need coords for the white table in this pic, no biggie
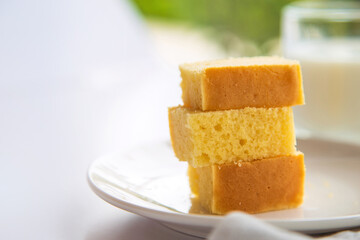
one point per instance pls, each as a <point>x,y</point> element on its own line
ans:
<point>73,75</point>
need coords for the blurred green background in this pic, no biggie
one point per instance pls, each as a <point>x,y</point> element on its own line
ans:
<point>214,28</point>
<point>228,22</point>
<point>256,20</point>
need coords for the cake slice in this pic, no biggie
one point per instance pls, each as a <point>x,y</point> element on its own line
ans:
<point>242,82</point>
<point>253,187</point>
<point>219,137</point>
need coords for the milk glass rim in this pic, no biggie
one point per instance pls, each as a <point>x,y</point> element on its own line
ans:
<point>324,9</point>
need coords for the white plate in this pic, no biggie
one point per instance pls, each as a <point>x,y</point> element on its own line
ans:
<point>149,181</point>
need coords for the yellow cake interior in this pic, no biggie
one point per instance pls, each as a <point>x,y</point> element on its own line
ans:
<point>219,137</point>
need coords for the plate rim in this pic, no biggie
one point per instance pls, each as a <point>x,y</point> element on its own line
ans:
<point>301,225</point>
<point>128,206</point>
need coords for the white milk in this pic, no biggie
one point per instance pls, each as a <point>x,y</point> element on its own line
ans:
<point>332,91</point>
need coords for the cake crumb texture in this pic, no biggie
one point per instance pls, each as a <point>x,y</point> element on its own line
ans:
<point>219,137</point>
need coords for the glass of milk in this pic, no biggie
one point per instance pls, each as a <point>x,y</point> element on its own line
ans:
<point>325,38</point>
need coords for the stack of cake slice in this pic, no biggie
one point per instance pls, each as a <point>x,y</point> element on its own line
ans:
<point>236,131</point>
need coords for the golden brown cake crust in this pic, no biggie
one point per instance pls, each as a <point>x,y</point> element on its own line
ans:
<point>253,187</point>
<point>193,180</point>
<point>238,83</point>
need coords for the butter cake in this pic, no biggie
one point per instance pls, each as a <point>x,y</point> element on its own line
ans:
<point>242,82</point>
<point>218,137</point>
<point>253,187</point>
